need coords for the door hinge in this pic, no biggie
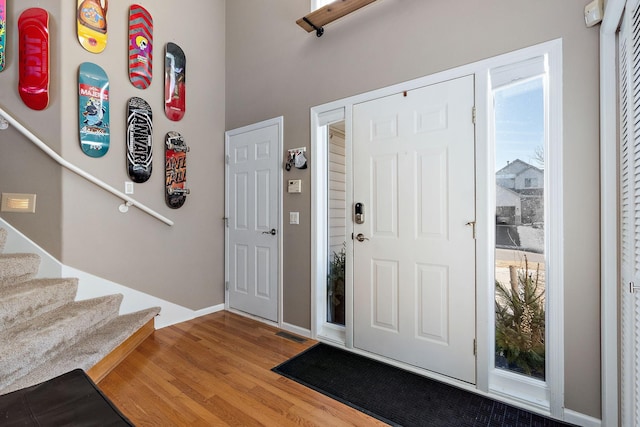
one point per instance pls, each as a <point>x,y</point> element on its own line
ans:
<point>473,115</point>
<point>226,285</point>
<point>227,159</point>
<point>475,347</point>
<point>226,222</point>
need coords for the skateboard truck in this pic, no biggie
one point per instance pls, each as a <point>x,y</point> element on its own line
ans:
<point>178,191</point>
<point>178,147</point>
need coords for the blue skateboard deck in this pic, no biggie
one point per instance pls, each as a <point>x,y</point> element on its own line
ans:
<point>93,106</point>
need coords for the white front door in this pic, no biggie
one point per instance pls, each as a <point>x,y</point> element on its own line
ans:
<point>414,260</point>
<point>253,218</point>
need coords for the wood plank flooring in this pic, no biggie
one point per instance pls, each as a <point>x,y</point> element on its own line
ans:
<point>216,371</point>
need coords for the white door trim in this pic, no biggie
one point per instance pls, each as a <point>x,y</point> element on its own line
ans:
<point>279,122</point>
<point>484,311</point>
<point>609,126</point>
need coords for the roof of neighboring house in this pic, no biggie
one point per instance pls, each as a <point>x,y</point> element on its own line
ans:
<point>517,167</point>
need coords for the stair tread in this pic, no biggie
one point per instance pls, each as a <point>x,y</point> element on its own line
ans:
<point>86,353</point>
<point>18,267</point>
<point>50,334</point>
<point>45,333</point>
<point>32,298</point>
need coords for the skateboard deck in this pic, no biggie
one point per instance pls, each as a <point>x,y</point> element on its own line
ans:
<point>175,170</point>
<point>33,81</point>
<point>92,24</point>
<point>3,33</point>
<point>140,46</point>
<point>93,109</point>
<point>174,82</point>
<point>139,139</point>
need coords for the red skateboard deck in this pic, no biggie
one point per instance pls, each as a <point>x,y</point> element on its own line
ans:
<point>3,32</point>
<point>92,24</point>
<point>175,166</point>
<point>174,82</point>
<point>140,46</point>
<point>33,82</point>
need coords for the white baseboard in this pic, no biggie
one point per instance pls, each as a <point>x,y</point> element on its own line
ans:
<point>581,419</point>
<point>90,286</point>
<point>296,330</point>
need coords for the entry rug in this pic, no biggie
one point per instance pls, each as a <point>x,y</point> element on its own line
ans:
<point>399,397</point>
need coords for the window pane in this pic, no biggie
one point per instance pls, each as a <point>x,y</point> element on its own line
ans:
<point>520,262</point>
<point>337,217</point>
<point>317,4</point>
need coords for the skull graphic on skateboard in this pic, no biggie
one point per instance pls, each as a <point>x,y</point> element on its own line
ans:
<point>139,140</point>
<point>140,46</point>
<point>33,58</point>
<point>93,109</point>
<point>175,170</point>
<point>174,82</point>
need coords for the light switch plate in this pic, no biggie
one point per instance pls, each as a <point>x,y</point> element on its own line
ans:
<point>294,217</point>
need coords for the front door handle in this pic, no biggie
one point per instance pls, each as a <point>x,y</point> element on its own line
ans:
<point>360,237</point>
<point>272,232</point>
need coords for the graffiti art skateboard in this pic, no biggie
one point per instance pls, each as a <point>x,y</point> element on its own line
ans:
<point>92,24</point>
<point>175,170</point>
<point>174,82</point>
<point>3,33</point>
<point>33,58</point>
<point>140,46</point>
<point>139,139</point>
<point>93,109</point>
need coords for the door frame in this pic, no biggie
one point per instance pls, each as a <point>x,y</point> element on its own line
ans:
<point>485,211</point>
<point>279,122</point>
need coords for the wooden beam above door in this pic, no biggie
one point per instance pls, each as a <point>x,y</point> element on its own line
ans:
<point>317,19</point>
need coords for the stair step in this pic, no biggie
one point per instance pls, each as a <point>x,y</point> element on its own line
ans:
<point>32,298</point>
<point>51,334</point>
<point>3,239</point>
<point>86,353</point>
<point>17,268</point>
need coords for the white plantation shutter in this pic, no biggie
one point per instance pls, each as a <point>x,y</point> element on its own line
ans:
<point>629,87</point>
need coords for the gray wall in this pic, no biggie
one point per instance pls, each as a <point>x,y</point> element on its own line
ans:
<point>274,68</point>
<point>78,222</point>
<point>24,168</point>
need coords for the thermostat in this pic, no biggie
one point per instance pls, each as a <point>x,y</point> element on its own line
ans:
<point>295,186</point>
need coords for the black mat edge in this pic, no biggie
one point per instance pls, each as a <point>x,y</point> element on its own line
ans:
<point>339,399</point>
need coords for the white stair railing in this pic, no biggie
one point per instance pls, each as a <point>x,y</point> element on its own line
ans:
<point>127,200</point>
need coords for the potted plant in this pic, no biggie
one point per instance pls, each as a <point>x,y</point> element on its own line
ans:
<point>520,323</point>
<point>335,286</point>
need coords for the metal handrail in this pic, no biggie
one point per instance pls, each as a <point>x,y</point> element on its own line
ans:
<point>129,201</point>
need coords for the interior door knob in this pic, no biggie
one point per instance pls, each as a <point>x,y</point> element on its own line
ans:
<point>272,232</point>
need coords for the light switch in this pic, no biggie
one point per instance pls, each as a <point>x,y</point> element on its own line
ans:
<point>294,217</point>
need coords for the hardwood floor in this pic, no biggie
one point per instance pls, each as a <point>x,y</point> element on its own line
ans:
<point>216,371</point>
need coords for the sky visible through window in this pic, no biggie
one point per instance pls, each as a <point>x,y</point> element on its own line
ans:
<point>317,4</point>
<point>519,123</point>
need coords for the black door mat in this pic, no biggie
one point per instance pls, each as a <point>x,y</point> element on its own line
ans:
<point>399,397</point>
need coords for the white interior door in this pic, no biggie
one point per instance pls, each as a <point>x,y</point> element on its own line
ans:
<point>253,218</point>
<point>414,268</point>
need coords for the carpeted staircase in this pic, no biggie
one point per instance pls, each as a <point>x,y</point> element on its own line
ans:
<point>44,332</point>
